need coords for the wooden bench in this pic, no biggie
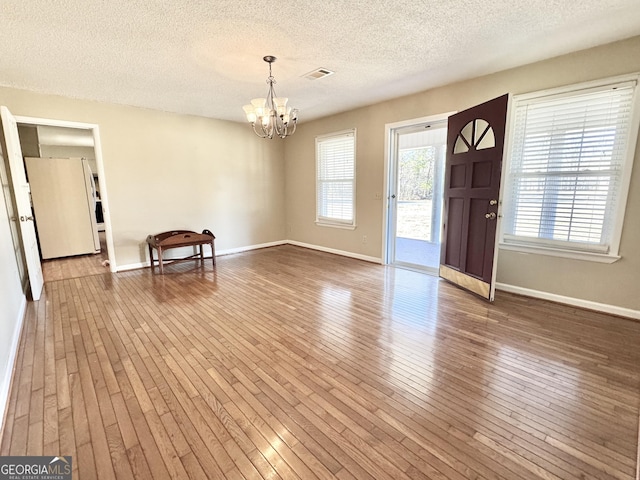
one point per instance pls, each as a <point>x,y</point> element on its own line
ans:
<point>180,238</point>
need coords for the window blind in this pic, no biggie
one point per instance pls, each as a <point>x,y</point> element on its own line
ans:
<point>566,164</point>
<point>335,175</point>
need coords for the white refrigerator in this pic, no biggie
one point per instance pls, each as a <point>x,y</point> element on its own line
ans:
<point>63,196</point>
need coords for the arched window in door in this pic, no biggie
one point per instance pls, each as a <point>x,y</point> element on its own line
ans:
<point>475,135</point>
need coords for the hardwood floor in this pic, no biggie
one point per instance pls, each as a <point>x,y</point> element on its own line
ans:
<point>291,363</point>
<point>77,266</point>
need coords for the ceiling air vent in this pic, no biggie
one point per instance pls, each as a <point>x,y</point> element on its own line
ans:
<point>318,73</point>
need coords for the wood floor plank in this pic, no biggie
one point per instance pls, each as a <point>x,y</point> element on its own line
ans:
<point>66,434</point>
<point>118,454</point>
<point>86,467</point>
<point>138,463</point>
<point>292,363</point>
<point>150,449</point>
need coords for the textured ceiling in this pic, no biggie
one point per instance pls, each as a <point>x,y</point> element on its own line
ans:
<point>205,57</point>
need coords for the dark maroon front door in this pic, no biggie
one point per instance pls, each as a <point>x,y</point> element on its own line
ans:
<point>475,141</point>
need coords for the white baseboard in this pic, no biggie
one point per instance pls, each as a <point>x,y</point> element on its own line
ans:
<point>132,266</point>
<point>5,387</point>
<point>576,302</point>
<point>229,251</point>
<point>343,253</point>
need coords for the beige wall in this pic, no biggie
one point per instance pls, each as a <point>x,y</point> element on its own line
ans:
<point>166,171</point>
<point>615,284</point>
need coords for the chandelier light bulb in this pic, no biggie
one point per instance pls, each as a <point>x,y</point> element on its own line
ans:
<point>250,113</point>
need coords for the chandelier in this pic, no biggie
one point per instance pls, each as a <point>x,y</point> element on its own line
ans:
<point>270,116</point>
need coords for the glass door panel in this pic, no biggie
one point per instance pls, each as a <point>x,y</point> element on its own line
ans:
<point>416,216</point>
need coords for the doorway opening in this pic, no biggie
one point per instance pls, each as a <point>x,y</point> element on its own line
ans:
<point>25,218</point>
<point>63,177</point>
<point>416,162</point>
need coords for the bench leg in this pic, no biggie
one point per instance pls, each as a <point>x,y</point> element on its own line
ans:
<point>151,257</point>
<point>160,260</point>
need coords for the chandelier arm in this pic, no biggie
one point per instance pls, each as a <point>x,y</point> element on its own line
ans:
<point>268,129</point>
<point>255,130</point>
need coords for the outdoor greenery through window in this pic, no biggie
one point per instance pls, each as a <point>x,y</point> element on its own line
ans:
<point>416,173</point>
<point>335,177</point>
<point>420,175</point>
<point>569,156</point>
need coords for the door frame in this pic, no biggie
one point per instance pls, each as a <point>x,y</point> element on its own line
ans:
<point>390,183</point>
<point>102,183</point>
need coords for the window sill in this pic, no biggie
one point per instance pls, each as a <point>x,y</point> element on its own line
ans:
<point>556,252</point>
<point>336,225</point>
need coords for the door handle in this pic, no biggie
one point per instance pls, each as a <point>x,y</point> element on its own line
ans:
<point>493,202</point>
<point>24,219</point>
<point>393,196</point>
<point>490,216</point>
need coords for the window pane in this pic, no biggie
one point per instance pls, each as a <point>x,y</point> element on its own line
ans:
<point>336,200</point>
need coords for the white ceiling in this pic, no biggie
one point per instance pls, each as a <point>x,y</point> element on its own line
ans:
<point>204,57</point>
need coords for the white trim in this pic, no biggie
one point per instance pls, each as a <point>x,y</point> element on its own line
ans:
<point>501,189</point>
<point>347,132</point>
<point>555,252</point>
<point>342,253</point>
<point>5,387</point>
<point>344,226</point>
<point>104,199</point>
<point>625,180</point>
<point>133,266</point>
<point>417,121</point>
<point>433,271</point>
<point>54,123</point>
<point>576,302</point>
<point>230,251</point>
<point>97,149</point>
<point>577,87</point>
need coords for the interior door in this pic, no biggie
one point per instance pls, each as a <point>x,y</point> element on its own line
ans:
<point>475,141</point>
<point>23,201</point>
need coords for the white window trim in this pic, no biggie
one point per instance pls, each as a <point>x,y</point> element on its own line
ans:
<point>346,226</point>
<point>613,254</point>
<point>325,222</point>
<point>558,252</point>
